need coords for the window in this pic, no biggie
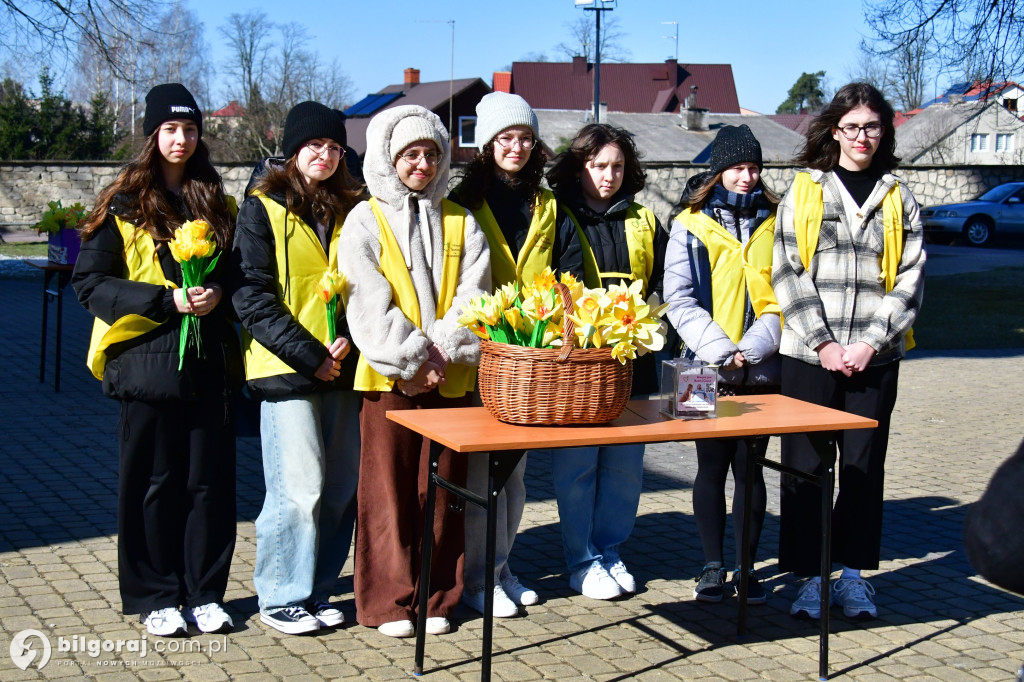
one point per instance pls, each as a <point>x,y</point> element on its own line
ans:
<point>979,142</point>
<point>1004,142</point>
<point>467,131</point>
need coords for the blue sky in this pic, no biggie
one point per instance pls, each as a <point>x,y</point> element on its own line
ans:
<point>768,44</point>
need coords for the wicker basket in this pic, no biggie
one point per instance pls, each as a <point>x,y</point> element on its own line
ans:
<point>536,386</point>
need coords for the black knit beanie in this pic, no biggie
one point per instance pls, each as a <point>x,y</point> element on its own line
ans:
<point>309,121</point>
<point>168,102</point>
<point>733,145</point>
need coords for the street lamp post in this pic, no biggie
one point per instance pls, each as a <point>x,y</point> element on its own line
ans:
<point>597,6</point>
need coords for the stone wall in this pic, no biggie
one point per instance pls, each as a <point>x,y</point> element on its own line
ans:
<point>25,188</point>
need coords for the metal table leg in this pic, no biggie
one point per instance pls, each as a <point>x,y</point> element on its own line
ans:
<point>500,467</point>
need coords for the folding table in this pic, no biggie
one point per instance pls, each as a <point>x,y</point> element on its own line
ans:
<point>474,430</point>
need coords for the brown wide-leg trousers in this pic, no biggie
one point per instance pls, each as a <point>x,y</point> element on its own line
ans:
<point>392,501</point>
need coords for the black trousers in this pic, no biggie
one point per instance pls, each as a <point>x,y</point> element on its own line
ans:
<point>714,458</point>
<point>857,514</point>
<point>176,503</point>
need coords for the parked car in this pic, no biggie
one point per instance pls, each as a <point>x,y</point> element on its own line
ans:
<point>999,210</point>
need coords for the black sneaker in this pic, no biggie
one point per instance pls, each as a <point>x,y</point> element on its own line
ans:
<point>292,620</point>
<point>710,584</point>
<point>755,591</point>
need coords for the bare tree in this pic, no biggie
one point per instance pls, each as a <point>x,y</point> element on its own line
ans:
<point>54,28</point>
<point>174,54</point>
<point>582,42</point>
<point>274,74</point>
<point>977,38</point>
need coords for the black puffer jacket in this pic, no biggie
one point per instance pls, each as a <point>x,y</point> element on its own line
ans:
<point>606,233</point>
<point>146,367</point>
<point>265,317</point>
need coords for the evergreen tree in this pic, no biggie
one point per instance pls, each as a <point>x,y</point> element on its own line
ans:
<point>806,95</point>
<point>16,120</point>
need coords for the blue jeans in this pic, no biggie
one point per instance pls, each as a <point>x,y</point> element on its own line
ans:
<point>311,468</point>
<point>598,493</point>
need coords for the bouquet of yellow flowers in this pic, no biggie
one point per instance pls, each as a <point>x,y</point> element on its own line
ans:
<point>617,317</point>
<point>329,288</point>
<point>193,249</point>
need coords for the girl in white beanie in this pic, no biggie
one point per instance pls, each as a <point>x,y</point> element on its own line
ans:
<point>526,234</point>
<point>403,314</point>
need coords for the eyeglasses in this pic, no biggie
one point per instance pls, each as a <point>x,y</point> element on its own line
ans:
<point>872,131</point>
<point>414,158</point>
<point>506,142</point>
<point>319,147</point>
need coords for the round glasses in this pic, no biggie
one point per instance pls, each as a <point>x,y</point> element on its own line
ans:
<point>506,142</point>
<point>872,131</point>
<point>414,158</point>
<point>318,148</point>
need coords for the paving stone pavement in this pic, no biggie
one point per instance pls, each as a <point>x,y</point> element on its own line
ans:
<point>958,416</point>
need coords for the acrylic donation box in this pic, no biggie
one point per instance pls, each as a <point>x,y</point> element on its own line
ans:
<point>688,389</point>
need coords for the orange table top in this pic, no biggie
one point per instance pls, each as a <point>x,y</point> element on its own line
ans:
<point>473,429</point>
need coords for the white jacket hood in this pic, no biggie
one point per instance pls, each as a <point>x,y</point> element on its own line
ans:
<point>383,182</point>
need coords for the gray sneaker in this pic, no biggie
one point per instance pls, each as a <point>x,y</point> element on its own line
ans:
<point>808,601</point>
<point>854,595</point>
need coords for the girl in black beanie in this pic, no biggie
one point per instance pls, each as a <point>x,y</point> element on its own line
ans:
<point>176,474</point>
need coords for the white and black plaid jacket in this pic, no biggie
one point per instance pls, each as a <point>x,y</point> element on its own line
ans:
<point>841,295</point>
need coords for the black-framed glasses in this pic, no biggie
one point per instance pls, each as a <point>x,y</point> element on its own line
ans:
<point>414,158</point>
<point>872,131</point>
<point>506,142</point>
<point>332,149</point>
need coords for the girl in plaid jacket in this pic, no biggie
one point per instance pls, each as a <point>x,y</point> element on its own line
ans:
<point>848,272</point>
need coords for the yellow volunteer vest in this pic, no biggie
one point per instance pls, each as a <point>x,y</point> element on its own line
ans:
<point>736,270</point>
<point>537,250</point>
<point>141,265</point>
<point>460,378</point>
<point>301,262</point>
<point>808,211</point>
<point>640,227</point>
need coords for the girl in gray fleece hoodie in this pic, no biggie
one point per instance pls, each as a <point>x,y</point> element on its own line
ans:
<point>402,312</point>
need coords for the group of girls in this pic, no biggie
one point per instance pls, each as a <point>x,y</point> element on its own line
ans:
<point>411,258</point>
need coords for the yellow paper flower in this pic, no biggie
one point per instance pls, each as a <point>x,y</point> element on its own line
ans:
<point>514,317</point>
<point>623,350</point>
<point>331,284</point>
<point>190,241</point>
<point>544,280</point>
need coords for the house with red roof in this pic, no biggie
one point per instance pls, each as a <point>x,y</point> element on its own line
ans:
<point>626,88</point>
<point>454,101</point>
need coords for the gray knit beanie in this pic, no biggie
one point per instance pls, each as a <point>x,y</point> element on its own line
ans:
<point>500,110</point>
<point>412,129</point>
<point>733,145</point>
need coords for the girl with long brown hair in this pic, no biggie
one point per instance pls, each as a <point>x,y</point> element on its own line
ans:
<point>286,240</point>
<point>176,478</point>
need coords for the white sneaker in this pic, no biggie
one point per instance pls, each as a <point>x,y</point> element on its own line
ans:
<point>503,606</point>
<point>438,626</point>
<point>165,622</point>
<point>327,613</point>
<point>622,576</point>
<point>808,600</point>
<point>517,592</point>
<point>594,582</point>
<point>398,628</point>
<point>854,595</point>
<point>209,617</point>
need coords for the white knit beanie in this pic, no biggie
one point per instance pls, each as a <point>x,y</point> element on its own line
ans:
<point>500,110</point>
<point>412,129</point>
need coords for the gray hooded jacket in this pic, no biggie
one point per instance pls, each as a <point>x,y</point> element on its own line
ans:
<point>384,335</point>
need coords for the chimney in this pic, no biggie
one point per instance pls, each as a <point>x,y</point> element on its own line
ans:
<point>694,118</point>
<point>956,99</point>
<point>412,76</point>
<point>673,73</point>
<point>501,81</point>
<point>579,66</point>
